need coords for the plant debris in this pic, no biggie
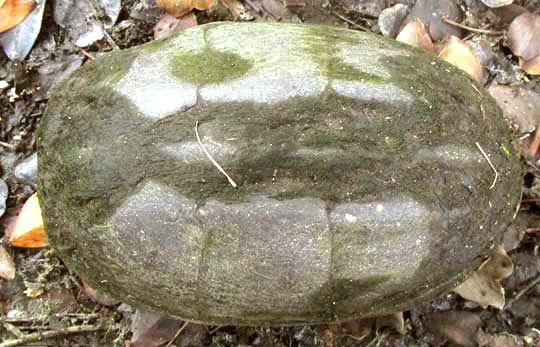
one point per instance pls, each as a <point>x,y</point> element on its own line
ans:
<point>28,231</point>
<point>523,39</point>
<point>483,286</point>
<point>179,8</point>
<point>415,34</point>
<point>13,12</point>
<point>457,53</point>
<point>7,266</point>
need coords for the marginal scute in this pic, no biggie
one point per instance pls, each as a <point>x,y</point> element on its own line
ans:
<point>270,270</point>
<point>155,206</point>
<point>406,225</point>
<point>458,155</point>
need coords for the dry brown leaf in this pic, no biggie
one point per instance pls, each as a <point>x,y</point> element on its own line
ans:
<point>7,266</point>
<point>28,231</point>
<point>457,53</point>
<point>188,21</point>
<point>178,8</point>
<point>496,3</point>
<point>237,9</point>
<point>168,25</point>
<point>484,287</point>
<point>521,106</point>
<point>152,330</point>
<point>415,34</point>
<point>499,266</point>
<point>531,66</point>
<point>523,36</point>
<point>13,12</point>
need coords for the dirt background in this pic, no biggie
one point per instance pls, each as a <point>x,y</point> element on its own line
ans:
<point>47,305</point>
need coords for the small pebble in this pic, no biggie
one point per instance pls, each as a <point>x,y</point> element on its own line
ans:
<point>26,170</point>
<point>391,19</point>
<point>4,190</point>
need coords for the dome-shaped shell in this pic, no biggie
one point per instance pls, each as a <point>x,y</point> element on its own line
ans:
<point>361,185</point>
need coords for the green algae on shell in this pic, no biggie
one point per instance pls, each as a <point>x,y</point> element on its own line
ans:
<point>361,190</point>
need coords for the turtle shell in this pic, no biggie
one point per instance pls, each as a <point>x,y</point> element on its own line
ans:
<point>364,175</point>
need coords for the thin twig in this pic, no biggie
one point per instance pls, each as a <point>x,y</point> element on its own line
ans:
<point>210,157</point>
<point>523,291</point>
<point>213,331</point>
<point>113,44</point>
<point>51,333</point>
<point>476,89</point>
<point>490,164</point>
<point>350,21</point>
<point>476,30</point>
<point>530,200</point>
<point>87,54</point>
<point>177,333</point>
<point>7,145</point>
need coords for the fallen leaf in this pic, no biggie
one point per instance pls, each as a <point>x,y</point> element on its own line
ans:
<point>7,266</point>
<point>459,326</point>
<point>169,24</point>
<point>522,36</point>
<point>237,9</point>
<point>496,3</point>
<point>499,266</point>
<point>391,20</point>
<point>188,21</point>
<point>13,12</point>
<point>18,41</point>
<point>415,34</point>
<point>85,21</point>
<point>28,231</point>
<point>152,330</point>
<point>483,286</point>
<point>531,66</point>
<point>178,8</point>
<point>457,53</point>
<point>521,106</point>
<point>166,26</point>
<point>431,13</point>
